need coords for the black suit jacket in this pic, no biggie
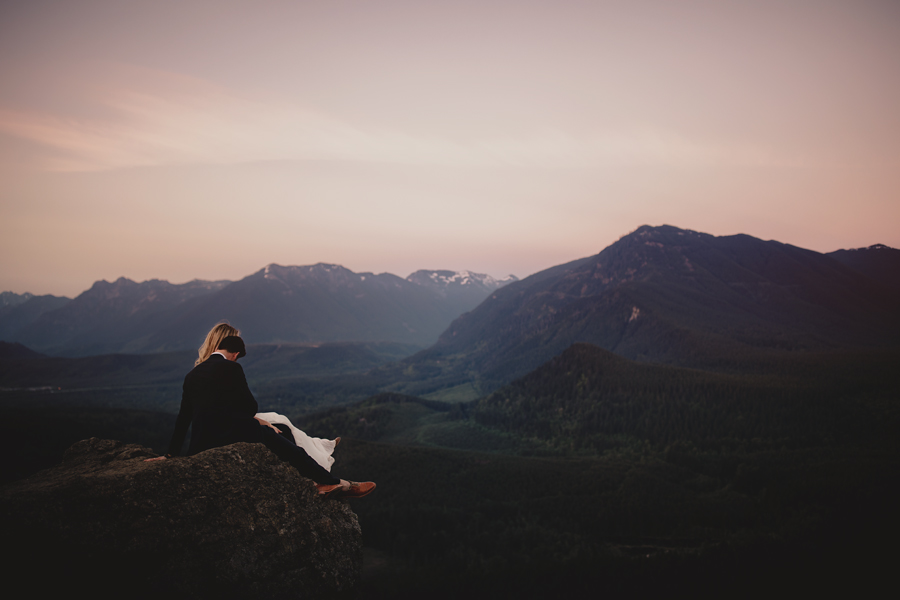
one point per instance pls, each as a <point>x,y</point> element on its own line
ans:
<point>215,389</point>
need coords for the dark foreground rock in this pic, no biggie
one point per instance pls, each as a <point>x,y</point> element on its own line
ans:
<point>232,522</point>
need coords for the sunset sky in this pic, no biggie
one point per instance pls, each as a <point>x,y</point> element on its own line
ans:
<point>208,138</point>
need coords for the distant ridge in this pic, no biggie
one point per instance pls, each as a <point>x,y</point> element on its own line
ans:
<point>20,310</point>
<point>311,304</point>
<point>110,317</point>
<point>16,351</point>
<point>13,299</point>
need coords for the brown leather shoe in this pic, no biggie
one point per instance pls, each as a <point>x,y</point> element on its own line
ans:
<point>326,490</point>
<point>357,490</point>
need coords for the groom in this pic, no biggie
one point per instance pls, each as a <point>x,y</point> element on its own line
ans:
<point>218,403</point>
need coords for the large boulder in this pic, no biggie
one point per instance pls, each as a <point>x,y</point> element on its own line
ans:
<point>232,522</point>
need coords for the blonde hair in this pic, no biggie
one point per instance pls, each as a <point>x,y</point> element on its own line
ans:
<point>213,339</point>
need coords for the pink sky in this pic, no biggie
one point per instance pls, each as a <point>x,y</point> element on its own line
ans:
<point>206,139</point>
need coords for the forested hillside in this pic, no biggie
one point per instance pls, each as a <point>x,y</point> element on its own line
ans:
<point>590,399</point>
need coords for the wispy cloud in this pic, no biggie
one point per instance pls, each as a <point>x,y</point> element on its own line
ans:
<point>209,125</point>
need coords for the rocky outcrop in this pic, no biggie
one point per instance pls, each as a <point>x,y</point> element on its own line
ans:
<point>232,522</point>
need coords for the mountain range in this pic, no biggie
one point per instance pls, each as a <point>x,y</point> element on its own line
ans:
<point>314,304</point>
<point>659,294</point>
<point>670,296</point>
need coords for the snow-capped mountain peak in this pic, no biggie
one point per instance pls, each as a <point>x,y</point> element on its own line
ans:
<point>445,280</point>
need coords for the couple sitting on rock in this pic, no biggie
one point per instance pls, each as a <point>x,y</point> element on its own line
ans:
<point>216,402</point>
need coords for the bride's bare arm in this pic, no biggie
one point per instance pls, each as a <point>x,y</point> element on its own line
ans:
<point>267,424</point>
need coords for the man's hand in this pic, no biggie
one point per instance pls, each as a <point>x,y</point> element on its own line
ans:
<point>152,459</point>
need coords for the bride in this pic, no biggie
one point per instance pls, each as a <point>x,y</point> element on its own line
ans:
<point>320,450</point>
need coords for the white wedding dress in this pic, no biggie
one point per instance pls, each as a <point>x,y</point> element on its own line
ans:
<point>320,450</point>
